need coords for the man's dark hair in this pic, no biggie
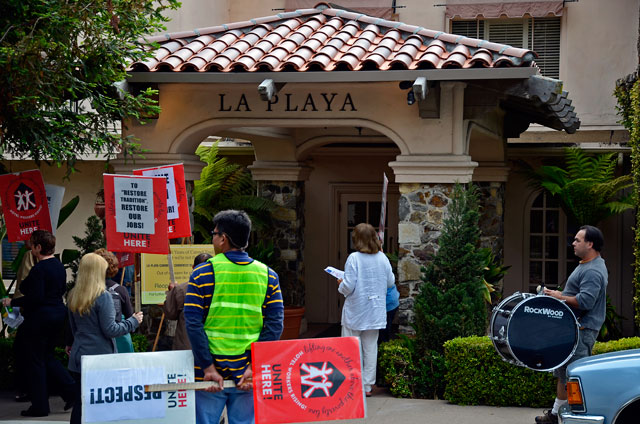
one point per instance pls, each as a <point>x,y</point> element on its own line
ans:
<point>45,239</point>
<point>203,257</point>
<point>594,235</point>
<point>236,225</point>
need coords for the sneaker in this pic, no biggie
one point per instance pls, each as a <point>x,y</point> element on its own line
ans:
<point>547,417</point>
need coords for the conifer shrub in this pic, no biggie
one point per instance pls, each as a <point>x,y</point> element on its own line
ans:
<point>450,303</point>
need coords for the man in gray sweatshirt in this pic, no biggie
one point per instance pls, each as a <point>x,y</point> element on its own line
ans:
<point>586,294</point>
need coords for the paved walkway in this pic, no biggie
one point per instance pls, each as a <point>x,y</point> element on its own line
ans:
<point>381,409</point>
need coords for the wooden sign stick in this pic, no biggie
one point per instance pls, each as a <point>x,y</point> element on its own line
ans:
<point>198,385</point>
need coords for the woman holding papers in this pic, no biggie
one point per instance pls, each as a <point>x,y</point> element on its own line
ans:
<point>367,275</point>
<point>92,318</point>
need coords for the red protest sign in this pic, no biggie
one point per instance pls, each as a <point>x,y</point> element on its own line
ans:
<point>125,259</point>
<point>307,380</point>
<point>177,206</point>
<point>24,202</point>
<point>136,214</point>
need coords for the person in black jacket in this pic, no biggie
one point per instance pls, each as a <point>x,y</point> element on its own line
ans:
<point>44,317</point>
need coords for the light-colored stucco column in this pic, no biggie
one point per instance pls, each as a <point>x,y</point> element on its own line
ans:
<point>283,183</point>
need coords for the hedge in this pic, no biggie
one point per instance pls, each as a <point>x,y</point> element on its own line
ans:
<point>476,374</point>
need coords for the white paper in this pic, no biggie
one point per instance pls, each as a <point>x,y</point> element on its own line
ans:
<point>134,205</point>
<point>55,194</point>
<point>172,198</point>
<point>118,394</point>
<point>335,272</point>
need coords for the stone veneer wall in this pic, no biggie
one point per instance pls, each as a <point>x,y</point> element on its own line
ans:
<point>422,209</point>
<point>491,201</point>
<point>288,236</point>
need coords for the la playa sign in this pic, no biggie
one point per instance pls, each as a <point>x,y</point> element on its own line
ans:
<point>289,102</point>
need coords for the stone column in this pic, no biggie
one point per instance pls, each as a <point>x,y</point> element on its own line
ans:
<point>422,209</point>
<point>287,234</point>
<point>283,183</point>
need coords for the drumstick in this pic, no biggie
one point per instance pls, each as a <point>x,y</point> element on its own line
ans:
<point>198,385</point>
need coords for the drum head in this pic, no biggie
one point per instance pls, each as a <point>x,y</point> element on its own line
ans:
<point>542,333</point>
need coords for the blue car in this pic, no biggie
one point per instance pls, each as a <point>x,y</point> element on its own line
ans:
<point>604,389</point>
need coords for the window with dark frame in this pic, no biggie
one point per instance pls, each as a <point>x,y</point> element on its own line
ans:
<point>541,35</point>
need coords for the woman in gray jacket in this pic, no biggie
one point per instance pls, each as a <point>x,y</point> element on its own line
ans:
<point>93,321</point>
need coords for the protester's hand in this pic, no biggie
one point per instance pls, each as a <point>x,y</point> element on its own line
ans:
<point>246,381</point>
<point>6,301</point>
<point>211,374</point>
<point>67,350</point>
<point>172,285</point>
<point>339,281</point>
<point>138,316</point>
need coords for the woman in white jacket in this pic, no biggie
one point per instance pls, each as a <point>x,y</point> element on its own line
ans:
<point>367,275</point>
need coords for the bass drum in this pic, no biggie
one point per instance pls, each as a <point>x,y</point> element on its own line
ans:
<point>535,331</point>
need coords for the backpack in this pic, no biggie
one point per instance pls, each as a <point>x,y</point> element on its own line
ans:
<point>117,301</point>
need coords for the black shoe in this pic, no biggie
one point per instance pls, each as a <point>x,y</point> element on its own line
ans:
<point>547,417</point>
<point>31,413</point>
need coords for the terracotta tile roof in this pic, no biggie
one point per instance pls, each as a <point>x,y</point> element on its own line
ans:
<point>324,39</point>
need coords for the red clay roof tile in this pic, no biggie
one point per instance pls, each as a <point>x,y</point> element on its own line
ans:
<point>324,39</point>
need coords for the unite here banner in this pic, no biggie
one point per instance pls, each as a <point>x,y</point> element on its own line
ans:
<point>307,380</point>
<point>24,202</point>
<point>136,214</point>
<point>113,388</point>
<point>177,206</point>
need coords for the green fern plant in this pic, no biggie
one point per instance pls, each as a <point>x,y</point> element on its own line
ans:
<point>587,187</point>
<point>224,185</point>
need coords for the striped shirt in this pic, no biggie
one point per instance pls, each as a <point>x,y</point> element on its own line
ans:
<point>196,308</point>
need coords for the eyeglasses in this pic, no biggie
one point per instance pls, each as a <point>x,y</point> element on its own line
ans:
<point>216,233</point>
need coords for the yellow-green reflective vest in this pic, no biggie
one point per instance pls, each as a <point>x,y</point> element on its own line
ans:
<point>234,320</point>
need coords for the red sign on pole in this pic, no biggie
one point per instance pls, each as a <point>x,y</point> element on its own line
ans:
<point>136,214</point>
<point>24,201</point>
<point>125,259</point>
<point>307,380</point>
<point>177,206</point>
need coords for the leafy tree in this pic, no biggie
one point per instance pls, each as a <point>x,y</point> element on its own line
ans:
<point>628,94</point>
<point>60,61</point>
<point>587,187</point>
<point>224,185</point>
<point>451,301</point>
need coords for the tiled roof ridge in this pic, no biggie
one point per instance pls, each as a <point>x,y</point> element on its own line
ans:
<point>409,30</point>
<point>227,27</point>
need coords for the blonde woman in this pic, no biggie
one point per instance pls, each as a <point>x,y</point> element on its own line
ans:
<point>367,275</point>
<point>120,296</point>
<point>93,320</point>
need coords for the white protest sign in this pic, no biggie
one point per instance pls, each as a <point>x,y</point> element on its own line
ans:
<point>54,198</point>
<point>105,389</point>
<point>383,212</point>
<point>172,198</point>
<point>134,205</point>
<point>113,388</point>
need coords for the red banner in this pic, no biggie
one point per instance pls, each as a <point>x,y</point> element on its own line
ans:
<point>24,202</point>
<point>136,214</point>
<point>307,380</point>
<point>177,206</point>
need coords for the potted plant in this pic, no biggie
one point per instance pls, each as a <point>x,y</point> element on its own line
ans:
<point>99,207</point>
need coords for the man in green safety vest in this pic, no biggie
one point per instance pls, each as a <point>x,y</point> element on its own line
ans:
<point>232,301</point>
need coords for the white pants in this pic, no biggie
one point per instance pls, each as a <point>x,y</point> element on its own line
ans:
<point>368,353</point>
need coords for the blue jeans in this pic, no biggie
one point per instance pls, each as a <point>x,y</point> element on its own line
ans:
<point>239,405</point>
